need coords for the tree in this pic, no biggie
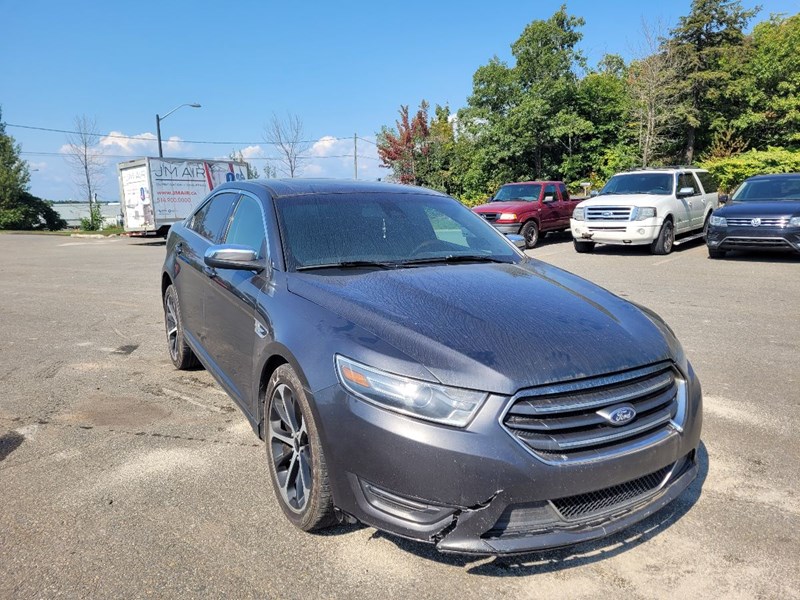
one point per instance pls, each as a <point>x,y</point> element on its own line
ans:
<point>287,137</point>
<point>712,29</point>
<point>655,96</point>
<point>18,208</point>
<point>83,152</point>
<point>404,150</point>
<point>767,85</point>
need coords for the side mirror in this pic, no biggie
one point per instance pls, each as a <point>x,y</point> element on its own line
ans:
<point>231,256</point>
<point>517,240</point>
<point>594,194</point>
<point>548,199</point>
<point>685,191</point>
<point>723,198</point>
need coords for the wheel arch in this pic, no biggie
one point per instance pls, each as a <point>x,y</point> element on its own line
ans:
<point>277,356</point>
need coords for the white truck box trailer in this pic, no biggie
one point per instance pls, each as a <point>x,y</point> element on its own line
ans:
<point>157,192</point>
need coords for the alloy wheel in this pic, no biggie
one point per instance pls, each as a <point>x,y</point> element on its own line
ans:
<point>289,447</point>
<point>172,326</point>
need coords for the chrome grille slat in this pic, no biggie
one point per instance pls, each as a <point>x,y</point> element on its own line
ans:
<point>563,424</point>
<point>614,213</point>
<point>765,222</point>
<point>594,397</point>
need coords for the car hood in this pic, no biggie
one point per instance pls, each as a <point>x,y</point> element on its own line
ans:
<point>494,327</point>
<point>759,209</point>
<point>624,200</point>
<point>507,206</point>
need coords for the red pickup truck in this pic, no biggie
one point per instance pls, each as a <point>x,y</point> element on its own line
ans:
<point>529,208</point>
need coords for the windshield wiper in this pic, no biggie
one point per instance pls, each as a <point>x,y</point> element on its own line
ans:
<point>350,264</point>
<point>452,258</point>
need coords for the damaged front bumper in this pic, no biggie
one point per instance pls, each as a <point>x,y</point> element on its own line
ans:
<point>477,491</point>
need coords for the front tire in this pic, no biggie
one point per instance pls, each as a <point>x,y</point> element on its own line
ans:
<point>583,247</point>
<point>182,356</point>
<point>294,454</point>
<point>530,231</point>
<point>665,240</point>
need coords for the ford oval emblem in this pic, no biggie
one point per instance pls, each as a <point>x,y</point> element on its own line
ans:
<point>618,415</point>
<point>755,222</point>
<point>606,213</point>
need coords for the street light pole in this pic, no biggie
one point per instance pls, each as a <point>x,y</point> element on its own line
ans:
<point>159,119</point>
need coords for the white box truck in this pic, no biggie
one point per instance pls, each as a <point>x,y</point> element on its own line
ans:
<point>157,192</point>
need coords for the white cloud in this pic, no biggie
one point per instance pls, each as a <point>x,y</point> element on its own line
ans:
<point>252,152</point>
<point>333,157</point>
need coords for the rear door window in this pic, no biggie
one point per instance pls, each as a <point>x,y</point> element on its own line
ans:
<point>709,182</point>
<point>211,220</point>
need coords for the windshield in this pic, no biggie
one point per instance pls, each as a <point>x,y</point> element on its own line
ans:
<point>639,183</point>
<point>384,230</point>
<point>775,188</point>
<point>526,191</point>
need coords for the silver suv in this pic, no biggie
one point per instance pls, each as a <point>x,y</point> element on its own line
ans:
<point>661,207</point>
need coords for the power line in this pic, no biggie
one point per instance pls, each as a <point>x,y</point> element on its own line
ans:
<point>252,158</point>
<point>153,139</point>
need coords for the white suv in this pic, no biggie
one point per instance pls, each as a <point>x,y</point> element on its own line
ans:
<point>646,206</point>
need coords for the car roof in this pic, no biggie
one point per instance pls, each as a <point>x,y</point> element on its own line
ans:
<point>772,176</point>
<point>526,182</point>
<point>284,188</point>
<point>658,170</point>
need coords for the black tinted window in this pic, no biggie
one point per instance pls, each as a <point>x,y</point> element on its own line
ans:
<point>709,181</point>
<point>211,219</point>
<point>639,183</point>
<point>247,226</point>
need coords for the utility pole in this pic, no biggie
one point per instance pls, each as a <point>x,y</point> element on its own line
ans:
<point>355,155</point>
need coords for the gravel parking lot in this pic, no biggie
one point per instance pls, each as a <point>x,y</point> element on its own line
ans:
<point>121,477</point>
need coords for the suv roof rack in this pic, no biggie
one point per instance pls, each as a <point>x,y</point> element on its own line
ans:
<point>663,168</point>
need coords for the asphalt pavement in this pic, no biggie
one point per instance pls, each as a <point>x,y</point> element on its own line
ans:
<point>122,477</point>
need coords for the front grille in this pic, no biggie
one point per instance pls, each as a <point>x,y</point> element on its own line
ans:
<point>608,213</point>
<point>765,242</point>
<point>608,228</point>
<point>491,217</point>
<point>590,508</point>
<point>563,422</point>
<point>590,504</point>
<point>764,222</point>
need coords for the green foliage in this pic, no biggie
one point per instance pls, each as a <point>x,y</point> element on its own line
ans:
<point>705,90</point>
<point>732,171</point>
<point>94,222</point>
<point>27,212</point>
<point>18,208</point>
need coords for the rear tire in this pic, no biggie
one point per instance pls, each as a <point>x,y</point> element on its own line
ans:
<point>714,253</point>
<point>179,351</point>
<point>294,454</point>
<point>583,247</point>
<point>530,231</point>
<point>666,239</point>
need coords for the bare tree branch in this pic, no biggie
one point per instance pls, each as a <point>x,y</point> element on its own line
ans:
<point>287,137</point>
<point>654,89</point>
<point>84,154</point>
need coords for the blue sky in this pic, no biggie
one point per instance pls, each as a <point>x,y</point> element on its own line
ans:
<point>343,67</point>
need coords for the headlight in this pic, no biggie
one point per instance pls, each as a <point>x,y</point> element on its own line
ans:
<point>507,217</point>
<point>642,213</point>
<point>794,222</point>
<point>429,401</point>
<point>718,221</point>
<point>579,214</point>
